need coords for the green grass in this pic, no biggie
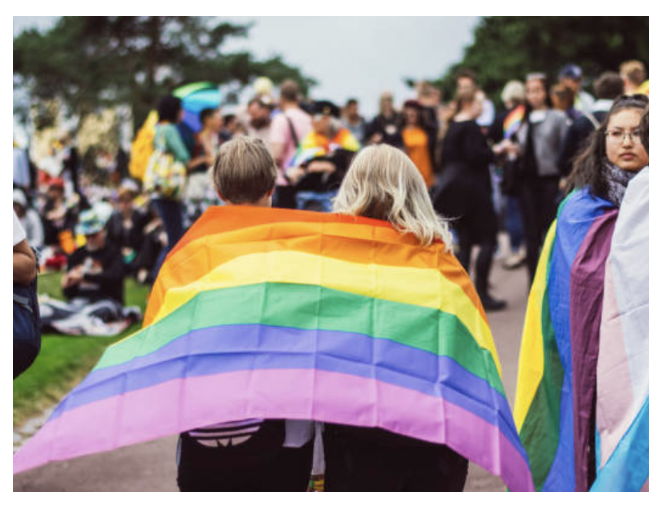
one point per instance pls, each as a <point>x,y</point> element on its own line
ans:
<point>64,360</point>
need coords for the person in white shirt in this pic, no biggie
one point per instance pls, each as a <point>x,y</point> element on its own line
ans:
<point>30,220</point>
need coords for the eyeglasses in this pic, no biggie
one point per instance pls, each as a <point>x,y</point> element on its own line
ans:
<point>618,136</point>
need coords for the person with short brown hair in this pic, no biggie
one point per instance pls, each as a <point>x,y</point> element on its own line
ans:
<point>252,455</point>
<point>633,74</point>
<point>245,172</point>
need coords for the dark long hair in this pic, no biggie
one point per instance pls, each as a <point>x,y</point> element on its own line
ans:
<point>588,166</point>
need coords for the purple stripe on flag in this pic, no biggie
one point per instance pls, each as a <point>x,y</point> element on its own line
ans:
<point>185,404</point>
<point>586,301</point>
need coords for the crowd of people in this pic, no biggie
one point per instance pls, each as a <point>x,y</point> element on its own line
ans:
<point>481,170</point>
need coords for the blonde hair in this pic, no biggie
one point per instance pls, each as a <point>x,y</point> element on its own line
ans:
<point>383,183</point>
<point>244,170</point>
<point>514,92</point>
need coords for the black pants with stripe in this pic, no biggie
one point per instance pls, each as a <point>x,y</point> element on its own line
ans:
<point>260,464</point>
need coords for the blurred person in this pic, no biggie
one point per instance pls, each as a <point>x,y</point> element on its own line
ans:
<point>385,127</point>
<point>384,184</point>
<point>466,79</point>
<point>608,87</point>
<point>58,218</point>
<point>94,271</point>
<point>322,159</point>
<point>352,120</point>
<point>124,228</point>
<point>572,76</point>
<point>464,191</point>
<point>633,74</point>
<point>562,99</point>
<point>29,219</point>
<point>255,454</point>
<point>258,123</point>
<point>504,128</point>
<point>419,140</point>
<point>167,137</point>
<point>154,242</point>
<point>198,193</point>
<point>230,127</point>
<point>22,177</point>
<point>287,129</point>
<point>538,143</point>
<point>71,164</point>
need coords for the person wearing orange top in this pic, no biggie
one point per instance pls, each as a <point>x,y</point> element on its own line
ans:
<point>418,141</point>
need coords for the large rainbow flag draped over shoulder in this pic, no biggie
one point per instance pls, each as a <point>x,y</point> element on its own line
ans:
<point>268,313</point>
<point>558,363</point>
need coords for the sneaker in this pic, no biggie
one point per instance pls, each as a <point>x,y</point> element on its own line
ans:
<point>491,304</point>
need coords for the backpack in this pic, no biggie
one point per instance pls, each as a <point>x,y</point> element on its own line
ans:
<point>164,175</point>
<point>27,326</point>
<point>143,147</point>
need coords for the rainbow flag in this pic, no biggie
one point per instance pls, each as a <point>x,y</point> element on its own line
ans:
<point>561,344</point>
<point>513,121</point>
<point>623,398</point>
<point>270,313</point>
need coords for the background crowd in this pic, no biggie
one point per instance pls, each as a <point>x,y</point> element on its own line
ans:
<point>488,167</point>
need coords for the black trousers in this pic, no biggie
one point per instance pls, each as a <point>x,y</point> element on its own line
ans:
<point>538,198</point>
<point>261,464</point>
<point>375,460</point>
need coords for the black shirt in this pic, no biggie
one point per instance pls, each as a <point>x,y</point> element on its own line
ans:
<point>103,278</point>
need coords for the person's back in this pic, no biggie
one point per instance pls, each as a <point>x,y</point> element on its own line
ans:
<point>255,454</point>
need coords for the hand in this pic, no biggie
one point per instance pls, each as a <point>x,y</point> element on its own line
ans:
<point>376,138</point>
<point>294,174</point>
<point>321,166</point>
<point>73,277</point>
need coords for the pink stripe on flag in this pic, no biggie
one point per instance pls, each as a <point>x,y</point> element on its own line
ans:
<point>308,394</point>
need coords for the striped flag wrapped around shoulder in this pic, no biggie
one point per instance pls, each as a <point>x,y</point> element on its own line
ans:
<point>270,313</point>
<point>558,364</point>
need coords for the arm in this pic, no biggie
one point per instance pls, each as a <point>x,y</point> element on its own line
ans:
<point>110,274</point>
<point>175,144</point>
<point>25,263</point>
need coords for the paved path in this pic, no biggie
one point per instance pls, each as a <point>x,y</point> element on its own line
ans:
<point>151,466</point>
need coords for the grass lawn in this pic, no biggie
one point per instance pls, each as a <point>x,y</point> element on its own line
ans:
<point>64,360</point>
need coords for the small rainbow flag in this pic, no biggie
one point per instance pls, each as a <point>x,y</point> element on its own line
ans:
<point>513,121</point>
<point>270,313</point>
<point>561,343</point>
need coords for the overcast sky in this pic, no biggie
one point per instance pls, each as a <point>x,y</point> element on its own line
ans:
<point>350,56</point>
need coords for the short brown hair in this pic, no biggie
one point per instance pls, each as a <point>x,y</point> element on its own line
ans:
<point>290,91</point>
<point>244,170</point>
<point>609,86</point>
<point>634,70</point>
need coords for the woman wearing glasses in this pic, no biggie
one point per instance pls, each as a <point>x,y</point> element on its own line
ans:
<point>586,327</point>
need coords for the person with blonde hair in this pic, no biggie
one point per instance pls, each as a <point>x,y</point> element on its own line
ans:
<point>383,183</point>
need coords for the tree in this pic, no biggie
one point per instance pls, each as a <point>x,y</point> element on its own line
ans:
<point>509,47</point>
<point>94,62</point>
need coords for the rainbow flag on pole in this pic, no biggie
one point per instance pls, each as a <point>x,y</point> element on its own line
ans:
<point>561,343</point>
<point>269,313</point>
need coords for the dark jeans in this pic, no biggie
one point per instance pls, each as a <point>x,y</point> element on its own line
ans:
<point>538,198</point>
<point>513,222</point>
<point>373,460</point>
<point>260,464</point>
<point>171,214</point>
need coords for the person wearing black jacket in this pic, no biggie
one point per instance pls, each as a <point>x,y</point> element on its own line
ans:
<point>125,229</point>
<point>95,271</point>
<point>386,126</point>
<point>463,194</point>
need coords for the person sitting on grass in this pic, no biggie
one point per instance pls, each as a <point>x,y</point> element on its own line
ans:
<point>93,286</point>
<point>248,455</point>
